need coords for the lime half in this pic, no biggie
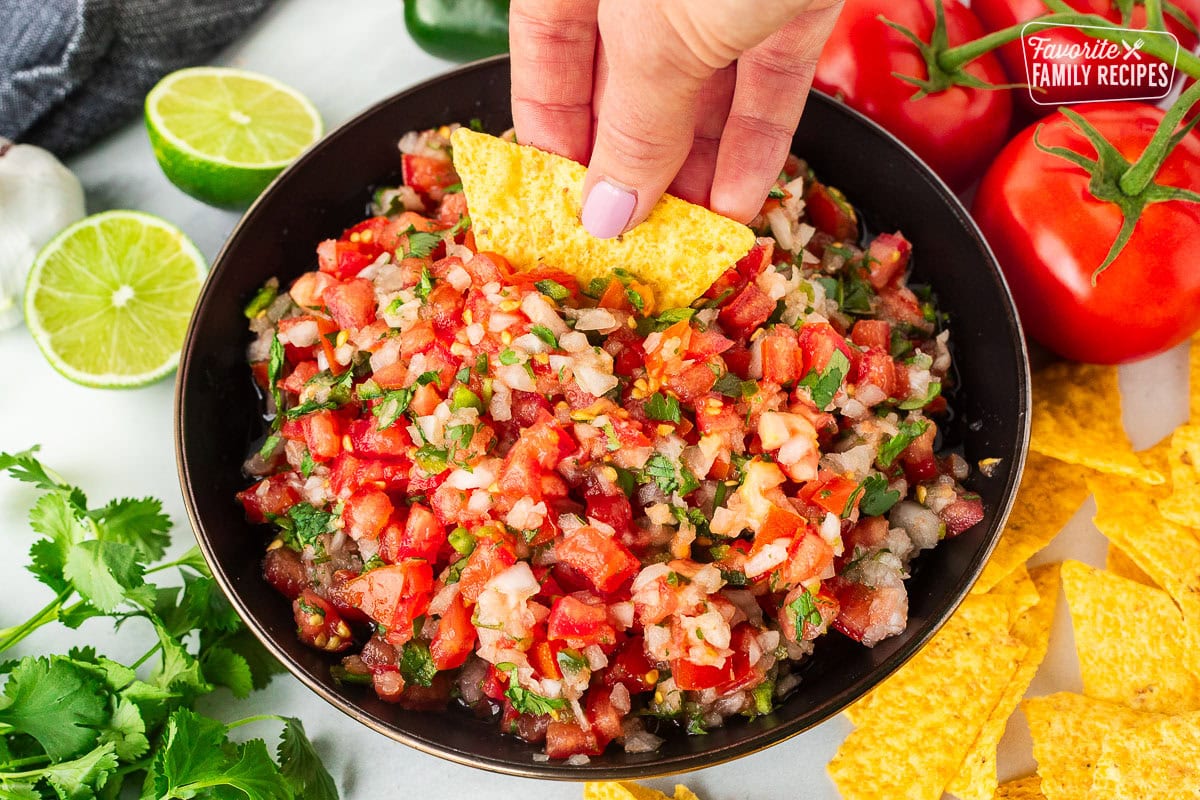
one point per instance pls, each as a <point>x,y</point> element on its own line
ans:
<point>222,135</point>
<point>108,299</point>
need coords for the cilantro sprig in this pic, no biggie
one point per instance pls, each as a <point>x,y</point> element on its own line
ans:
<point>81,725</point>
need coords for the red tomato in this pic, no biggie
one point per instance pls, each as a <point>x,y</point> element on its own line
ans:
<point>391,442</point>
<point>344,260</point>
<point>284,569</point>
<point>487,560</point>
<point>351,303</point>
<point>889,254</point>
<point>318,623</point>
<point>428,175</point>
<point>580,620</point>
<point>604,561</point>
<point>876,368</point>
<point>394,596</point>
<point>366,513</point>
<point>271,496</point>
<point>781,359</point>
<point>631,667</point>
<point>1049,235</point>
<point>455,637</point>
<point>690,676</point>
<point>565,739</point>
<point>818,340</point>
<point>871,333</point>
<point>746,310</point>
<point>423,535</point>
<point>956,130</point>
<point>323,434</point>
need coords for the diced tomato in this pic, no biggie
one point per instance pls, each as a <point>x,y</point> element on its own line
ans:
<point>270,497</point>
<point>603,716</point>
<point>351,303</point>
<point>580,620</point>
<point>544,658</point>
<point>423,535</point>
<point>868,333</point>
<point>565,739</point>
<point>876,368</point>
<point>318,623</point>
<point>424,400</point>
<point>631,668</point>
<point>309,289</point>
<point>611,509</point>
<point>868,614</point>
<point>366,513</point>
<point>417,338</point>
<point>487,266</point>
<point>818,341</point>
<point>782,361</point>
<point>394,596</point>
<point>455,637</point>
<point>743,641</point>
<point>705,343</point>
<point>391,442</point>
<point>603,560</point>
<point>428,175</point>
<point>809,557</point>
<point>779,522</point>
<point>693,381</point>
<point>539,448</point>
<point>284,569</point>
<point>961,515</point>
<point>832,492</point>
<point>695,677</point>
<point>918,459</point>
<point>746,311</point>
<point>323,432</point>
<point>754,263</point>
<point>487,560</point>
<point>452,209</point>
<point>446,306</point>
<point>900,306</point>
<point>344,260</point>
<point>889,253</point>
<point>829,211</point>
<point>299,376</point>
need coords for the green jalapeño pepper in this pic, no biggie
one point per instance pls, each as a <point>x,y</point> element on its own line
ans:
<point>458,30</point>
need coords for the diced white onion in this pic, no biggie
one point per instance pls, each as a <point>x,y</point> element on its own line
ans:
<point>515,376</point>
<point>593,381</point>
<point>595,319</point>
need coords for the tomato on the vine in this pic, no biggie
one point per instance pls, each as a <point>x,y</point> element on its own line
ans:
<point>956,130</point>
<point>1050,234</point>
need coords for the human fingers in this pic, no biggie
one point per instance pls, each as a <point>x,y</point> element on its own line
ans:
<point>773,79</point>
<point>694,181</point>
<point>553,47</point>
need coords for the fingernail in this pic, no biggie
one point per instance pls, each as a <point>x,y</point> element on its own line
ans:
<point>608,209</point>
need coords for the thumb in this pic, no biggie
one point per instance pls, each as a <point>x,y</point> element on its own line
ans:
<point>645,118</point>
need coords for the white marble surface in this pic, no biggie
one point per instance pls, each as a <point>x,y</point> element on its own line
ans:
<point>345,56</point>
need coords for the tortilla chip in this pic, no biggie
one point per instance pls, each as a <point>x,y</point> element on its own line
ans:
<point>1118,562</point>
<point>901,750</point>
<point>525,204</point>
<point>1077,418</point>
<point>624,790</point>
<point>684,793</point>
<point>976,778</point>
<point>1194,379</point>
<point>1051,492</point>
<point>1167,553</point>
<point>1068,736</point>
<point>1158,459</point>
<point>1182,506</point>
<point>1159,759</point>
<point>1027,788</point>
<point>1127,637</point>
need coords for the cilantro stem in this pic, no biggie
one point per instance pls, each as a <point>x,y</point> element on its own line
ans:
<point>257,718</point>
<point>13,635</point>
<point>24,762</point>
<point>182,561</point>
<point>146,656</point>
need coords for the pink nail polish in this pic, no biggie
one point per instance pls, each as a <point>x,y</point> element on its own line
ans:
<point>607,209</point>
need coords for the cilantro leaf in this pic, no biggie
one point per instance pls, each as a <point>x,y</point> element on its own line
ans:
<point>78,778</point>
<point>394,404</point>
<point>935,388</point>
<point>223,667</point>
<point>776,193</point>
<point>54,517</point>
<point>545,334</point>
<point>177,670</point>
<point>23,466</point>
<point>137,522</point>
<point>824,385</point>
<point>669,477</point>
<point>416,663</point>
<point>876,499</point>
<point>420,245</point>
<point>804,609</point>
<point>106,574</point>
<point>196,758</point>
<point>635,299</point>
<point>56,702</point>
<point>731,385</point>
<point>263,666</point>
<point>526,701</point>
<point>662,407</point>
<point>126,730</point>
<point>570,660</point>
<point>274,372</point>
<point>908,432</point>
<point>301,766</point>
<point>309,522</point>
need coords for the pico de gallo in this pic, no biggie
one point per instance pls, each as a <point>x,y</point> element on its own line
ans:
<point>585,515</point>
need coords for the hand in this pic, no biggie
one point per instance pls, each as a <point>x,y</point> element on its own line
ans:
<point>701,98</point>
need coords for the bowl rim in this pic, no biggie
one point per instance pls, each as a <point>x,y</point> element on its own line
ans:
<point>670,765</point>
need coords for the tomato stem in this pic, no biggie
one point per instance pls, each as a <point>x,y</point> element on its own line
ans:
<point>1154,16</point>
<point>1138,177</point>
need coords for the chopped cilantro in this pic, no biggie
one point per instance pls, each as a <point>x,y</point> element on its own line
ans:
<point>626,480</point>
<point>901,345</point>
<point>670,316</point>
<point>776,193</point>
<point>268,446</point>
<point>596,287</point>
<point>274,370</point>
<point>525,701</point>
<point>731,385</point>
<point>763,695</point>
<point>432,459</point>
<point>909,431</point>
<point>394,404</point>
<point>669,478</point>
<point>804,609</point>
<point>613,442</point>
<point>570,660</point>
<point>308,522</point>
<point>424,284</point>
<point>734,577</point>
<point>463,375</point>
<point>309,407</point>
<point>508,357</point>
<point>307,464</point>
<point>935,388</point>
<point>416,663</point>
<point>421,244</point>
<point>876,499</point>
<point>635,299</point>
<point>824,385</point>
<point>662,407</point>
<point>453,188</point>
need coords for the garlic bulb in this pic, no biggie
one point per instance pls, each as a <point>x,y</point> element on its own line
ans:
<point>38,198</point>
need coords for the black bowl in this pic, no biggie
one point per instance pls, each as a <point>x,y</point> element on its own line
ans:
<point>327,190</point>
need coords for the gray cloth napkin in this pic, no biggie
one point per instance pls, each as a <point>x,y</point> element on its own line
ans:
<point>73,70</point>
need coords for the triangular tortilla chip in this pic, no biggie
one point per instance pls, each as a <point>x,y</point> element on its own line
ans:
<point>1182,506</point>
<point>1077,418</point>
<point>525,204</point>
<point>1131,642</point>
<point>1068,736</point>
<point>1027,788</point>
<point>1159,759</point>
<point>976,778</point>
<point>1118,562</point>
<point>1051,492</point>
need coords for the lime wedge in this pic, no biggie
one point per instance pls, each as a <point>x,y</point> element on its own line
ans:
<point>108,299</point>
<point>222,135</point>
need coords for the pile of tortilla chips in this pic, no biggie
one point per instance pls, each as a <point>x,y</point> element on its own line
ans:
<point>624,790</point>
<point>934,726</point>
